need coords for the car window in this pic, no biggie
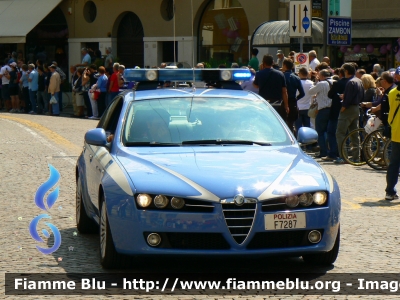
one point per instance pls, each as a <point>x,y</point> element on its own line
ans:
<point>110,118</point>
<point>176,120</point>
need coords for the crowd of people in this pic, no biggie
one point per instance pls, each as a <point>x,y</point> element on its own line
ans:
<point>341,97</point>
<point>36,87</point>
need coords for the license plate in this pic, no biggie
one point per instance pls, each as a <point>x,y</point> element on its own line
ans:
<point>280,221</point>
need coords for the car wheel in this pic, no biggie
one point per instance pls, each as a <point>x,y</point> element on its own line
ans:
<point>324,259</point>
<point>109,257</point>
<point>83,222</point>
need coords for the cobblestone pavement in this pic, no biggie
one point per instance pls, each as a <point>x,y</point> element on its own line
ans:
<point>370,238</point>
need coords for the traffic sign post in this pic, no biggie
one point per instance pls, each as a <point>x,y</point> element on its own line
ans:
<point>301,60</point>
<point>300,18</point>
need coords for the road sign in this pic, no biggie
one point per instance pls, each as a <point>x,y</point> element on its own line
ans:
<point>339,31</point>
<point>316,8</point>
<point>300,18</point>
<point>301,60</point>
<point>339,8</point>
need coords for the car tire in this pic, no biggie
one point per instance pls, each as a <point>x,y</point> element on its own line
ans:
<point>84,223</point>
<point>109,257</point>
<point>327,258</point>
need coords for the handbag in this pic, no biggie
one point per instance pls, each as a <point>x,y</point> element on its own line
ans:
<point>96,94</point>
<point>313,110</point>
<point>373,124</point>
<point>53,100</point>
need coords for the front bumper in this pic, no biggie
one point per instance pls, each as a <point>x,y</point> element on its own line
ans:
<point>207,233</point>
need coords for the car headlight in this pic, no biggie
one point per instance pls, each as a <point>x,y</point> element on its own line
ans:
<point>177,203</point>
<point>306,199</point>
<point>292,201</point>
<point>143,200</point>
<point>320,198</point>
<point>161,201</point>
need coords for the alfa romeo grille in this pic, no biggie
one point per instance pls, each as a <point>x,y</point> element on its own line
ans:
<point>239,219</point>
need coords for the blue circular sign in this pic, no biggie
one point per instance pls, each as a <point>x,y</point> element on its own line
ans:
<point>306,23</point>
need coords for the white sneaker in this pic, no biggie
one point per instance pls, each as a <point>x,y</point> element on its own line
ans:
<point>391,197</point>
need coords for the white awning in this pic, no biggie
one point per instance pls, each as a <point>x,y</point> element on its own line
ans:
<point>276,33</point>
<point>19,17</point>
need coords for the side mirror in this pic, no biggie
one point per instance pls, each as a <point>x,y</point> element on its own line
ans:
<point>306,136</point>
<point>96,137</point>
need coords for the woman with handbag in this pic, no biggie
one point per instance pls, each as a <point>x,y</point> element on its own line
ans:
<point>77,90</point>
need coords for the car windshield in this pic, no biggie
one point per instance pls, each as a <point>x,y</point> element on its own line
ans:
<point>201,120</point>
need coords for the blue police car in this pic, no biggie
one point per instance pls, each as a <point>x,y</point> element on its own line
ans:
<point>210,171</point>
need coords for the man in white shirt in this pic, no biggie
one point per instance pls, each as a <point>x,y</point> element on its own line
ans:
<point>313,59</point>
<point>304,103</point>
<point>321,89</point>
<point>5,80</point>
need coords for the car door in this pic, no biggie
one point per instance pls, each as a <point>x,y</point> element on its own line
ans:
<point>109,123</point>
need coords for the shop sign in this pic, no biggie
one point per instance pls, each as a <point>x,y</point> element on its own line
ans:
<point>339,31</point>
<point>317,8</point>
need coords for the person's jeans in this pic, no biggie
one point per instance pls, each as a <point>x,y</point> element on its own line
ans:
<point>28,105</point>
<point>347,122</point>
<point>303,120</point>
<point>56,106</point>
<point>392,175</point>
<point>321,123</point>
<point>101,103</point>
<point>33,97</point>
<point>42,101</point>
<point>333,151</point>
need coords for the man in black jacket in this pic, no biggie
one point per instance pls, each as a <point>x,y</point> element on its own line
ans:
<point>337,89</point>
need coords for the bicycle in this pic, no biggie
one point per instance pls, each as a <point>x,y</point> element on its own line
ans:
<point>349,150</point>
<point>66,100</point>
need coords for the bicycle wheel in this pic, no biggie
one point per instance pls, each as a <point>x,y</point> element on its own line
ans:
<point>351,153</point>
<point>373,146</point>
<point>387,151</point>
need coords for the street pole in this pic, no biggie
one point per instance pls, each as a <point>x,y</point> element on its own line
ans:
<point>325,13</point>
<point>301,42</point>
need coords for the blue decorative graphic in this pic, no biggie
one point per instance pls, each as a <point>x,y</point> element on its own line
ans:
<point>40,202</point>
<point>45,187</point>
<point>35,234</point>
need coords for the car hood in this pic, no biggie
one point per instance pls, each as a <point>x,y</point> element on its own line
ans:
<point>221,172</point>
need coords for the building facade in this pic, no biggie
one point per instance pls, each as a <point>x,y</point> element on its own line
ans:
<point>148,32</point>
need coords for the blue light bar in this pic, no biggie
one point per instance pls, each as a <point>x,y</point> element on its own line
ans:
<point>180,74</point>
<point>154,75</point>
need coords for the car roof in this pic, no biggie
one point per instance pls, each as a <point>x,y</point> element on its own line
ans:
<point>189,92</point>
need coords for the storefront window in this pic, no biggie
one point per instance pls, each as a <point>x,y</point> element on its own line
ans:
<point>224,34</point>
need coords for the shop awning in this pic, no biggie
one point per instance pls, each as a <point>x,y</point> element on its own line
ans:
<point>19,17</point>
<point>276,33</point>
<point>376,29</point>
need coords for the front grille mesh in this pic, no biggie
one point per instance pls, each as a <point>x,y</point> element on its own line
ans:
<point>280,239</point>
<point>239,219</point>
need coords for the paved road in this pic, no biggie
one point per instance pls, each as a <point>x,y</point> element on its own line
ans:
<point>370,239</point>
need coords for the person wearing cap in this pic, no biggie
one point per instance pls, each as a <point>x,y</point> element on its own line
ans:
<point>5,81</point>
<point>281,58</point>
<point>86,60</point>
<point>33,80</point>
<point>392,175</point>
<point>109,60</point>
<point>54,89</point>
<point>63,78</point>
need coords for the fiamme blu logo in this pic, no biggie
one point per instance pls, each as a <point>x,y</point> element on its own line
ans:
<point>46,206</point>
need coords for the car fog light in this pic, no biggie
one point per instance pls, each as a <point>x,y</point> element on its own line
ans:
<point>143,200</point>
<point>306,199</point>
<point>161,201</point>
<point>314,236</point>
<point>154,239</point>
<point>292,201</point>
<point>177,203</point>
<point>226,75</point>
<point>319,198</point>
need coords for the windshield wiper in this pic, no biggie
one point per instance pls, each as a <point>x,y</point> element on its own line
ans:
<point>224,142</point>
<point>151,144</point>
